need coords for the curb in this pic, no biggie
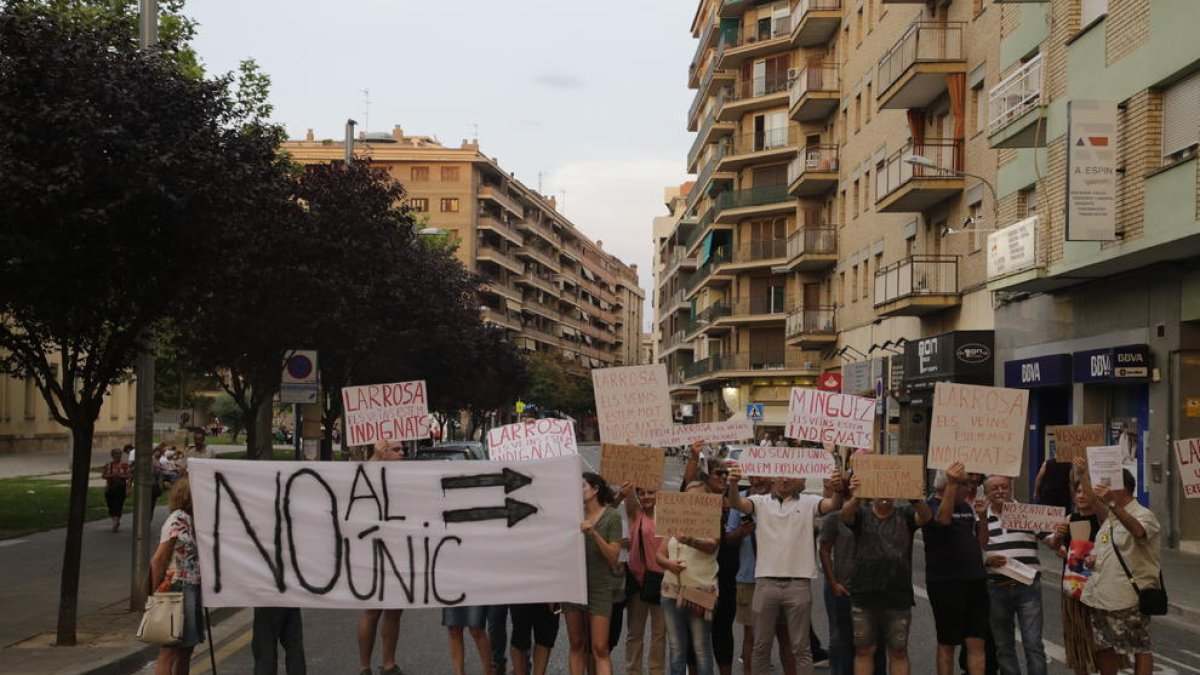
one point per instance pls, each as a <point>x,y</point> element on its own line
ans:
<point>135,660</point>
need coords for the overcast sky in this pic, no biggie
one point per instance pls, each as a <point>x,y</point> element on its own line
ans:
<point>592,95</point>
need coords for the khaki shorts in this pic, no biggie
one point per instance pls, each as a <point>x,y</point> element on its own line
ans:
<point>745,597</point>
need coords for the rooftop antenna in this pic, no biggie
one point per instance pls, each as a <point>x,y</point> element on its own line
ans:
<point>563,207</point>
<point>366,109</point>
<point>475,127</point>
<point>540,174</point>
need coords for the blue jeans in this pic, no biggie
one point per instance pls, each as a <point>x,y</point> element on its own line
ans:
<point>685,629</point>
<point>1025,604</point>
<point>841,637</point>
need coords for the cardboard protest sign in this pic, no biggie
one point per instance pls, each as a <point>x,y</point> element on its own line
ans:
<point>1188,454</point>
<point>1070,441</point>
<point>371,535</point>
<point>1104,466</point>
<point>691,514</point>
<point>889,476</point>
<point>982,427</point>
<point>711,432</point>
<point>759,460</point>
<point>386,412</point>
<point>636,464</point>
<point>532,439</point>
<point>631,402</point>
<point>827,417</point>
<point>1032,517</point>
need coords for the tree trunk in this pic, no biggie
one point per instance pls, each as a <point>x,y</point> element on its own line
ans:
<point>252,434</point>
<point>264,433</point>
<point>68,596</point>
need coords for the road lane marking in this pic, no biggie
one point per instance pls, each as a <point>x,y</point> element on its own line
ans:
<point>201,662</point>
<point>13,542</point>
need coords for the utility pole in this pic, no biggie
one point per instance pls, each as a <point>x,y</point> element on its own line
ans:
<point>143,442</point>
<point>350,141</point>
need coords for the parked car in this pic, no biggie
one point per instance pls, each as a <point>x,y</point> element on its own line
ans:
<point>442,453</point>
<point>474,449</point>
<point>731,460</point>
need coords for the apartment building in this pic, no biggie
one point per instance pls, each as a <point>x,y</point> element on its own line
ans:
<point>841,202</point>
<point>27,426</point>
<point>1098,284</point>
<point>552,287</point>
<point>673,265</point>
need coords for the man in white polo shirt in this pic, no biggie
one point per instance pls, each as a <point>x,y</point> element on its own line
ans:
<point>785,523</point>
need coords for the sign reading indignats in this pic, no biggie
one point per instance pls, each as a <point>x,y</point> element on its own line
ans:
<point>982,427</point>
<point>386,412</point>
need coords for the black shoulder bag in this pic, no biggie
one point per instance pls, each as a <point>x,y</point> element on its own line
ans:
<point>1151,601</point>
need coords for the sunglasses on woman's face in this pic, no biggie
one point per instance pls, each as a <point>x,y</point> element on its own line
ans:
<point>721,473</point>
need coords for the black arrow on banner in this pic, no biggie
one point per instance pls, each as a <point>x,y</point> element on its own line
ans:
<point>511,480</point>
<point>513,511</point>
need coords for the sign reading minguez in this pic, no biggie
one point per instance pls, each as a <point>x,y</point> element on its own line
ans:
<point>826,417</point>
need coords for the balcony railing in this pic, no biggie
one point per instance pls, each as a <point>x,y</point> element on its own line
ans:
<point>490,252</point>
<point>760,86</point>
<point>945,153</point>
<point>813,159</point>
<point>812,241</point>
<point>809,320</point>
<point>754,31</point>
<point>917,275</point>
<point>768,139</point>
<point>823,78</point>
<point>498,195</point>
<point>706,173</point>
<point>668,303</point>
<point>487,220</point>
<point>719,257</point>
<point>705,36</point>
<point>756,196</point>
<point>676,339</point>
<point>759,305</point>
<point>705,220</point>
<point>922,42</point>
<point>1019,93</point>
<point>762,249</point>
<point>699,142</point>
<point>546,258</point>
<point>766,359</point>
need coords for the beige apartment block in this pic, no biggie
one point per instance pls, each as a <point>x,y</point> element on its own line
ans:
<point>672,267</point>
<point>552,287</point>
<point>841,203</point>
<point>27,426</point>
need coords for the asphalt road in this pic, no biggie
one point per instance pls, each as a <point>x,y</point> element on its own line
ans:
<point>330,635</point>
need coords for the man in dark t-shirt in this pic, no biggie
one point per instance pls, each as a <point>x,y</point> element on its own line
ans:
<point>954,573</point>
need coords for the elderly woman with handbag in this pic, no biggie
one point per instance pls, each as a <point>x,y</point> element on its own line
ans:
<point>175,567</point>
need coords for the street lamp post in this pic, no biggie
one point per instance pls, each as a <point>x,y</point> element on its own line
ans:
<point>926,163</point>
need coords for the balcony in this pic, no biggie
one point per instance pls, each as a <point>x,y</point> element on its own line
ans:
<point>759,147</point>
<point>541,334</point>
<point>917,285</point>
<point>710,131</point>
<point>902,187</point>
<point>698,278</point>
<point>490,222</point>
<point>734,205</point>
<point>811,327</point>
<point>913,72</point>
<point>707,319</point>
<point>531,306</point>
<point>501,289</point>
<point>810,249</point>
<point>498,195</point>
<point>537,281</point>
<point>759,38</point>
<point>547,258</point>
<point>676,261</point>
<point>1014,108</point>
<point>707,39</point>
<point>708,172</point>
<point>674,342</point>
<point>733,9</point>
<point>814,94</point>
<point>756,363</point>
<point>814,172</point>
<point>815,21</point>
<point>494,255</point>
<point>753,94</point>
<point>757,310</point>
<point>540,229</point>
<point>500,318</point>
<point>669,304</point>
<point>759,253</point>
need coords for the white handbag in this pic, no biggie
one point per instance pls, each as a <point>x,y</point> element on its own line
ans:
<point>162,622</point>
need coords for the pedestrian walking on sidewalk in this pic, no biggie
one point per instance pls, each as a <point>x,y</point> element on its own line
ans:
<point>116,475</point>
<point>175,567</point>
<point>280,626</point>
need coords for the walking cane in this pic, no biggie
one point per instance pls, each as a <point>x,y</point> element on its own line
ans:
<point>212,655</point>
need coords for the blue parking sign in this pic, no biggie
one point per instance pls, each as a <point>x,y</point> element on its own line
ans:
<point>754,412</point>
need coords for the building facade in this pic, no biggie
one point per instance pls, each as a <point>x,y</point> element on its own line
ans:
<point>26,424</point>
<point>1102,325</point>
<point>550,286</point>
<point>673,266</point>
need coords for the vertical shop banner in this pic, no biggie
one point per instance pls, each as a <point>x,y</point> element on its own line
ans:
<point>982,427</point>
<point>1187,452</point>
<point>1091,170</point>
<point>827,417</point>
<point>532,439</point>
<point>631,402</point>
<point>386,412</point>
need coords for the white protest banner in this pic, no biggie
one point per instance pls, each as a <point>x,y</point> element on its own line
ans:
<point>393,535</point>
<point>386,412</point>
<point>711,432</point>
<point>982,427</point>
<point>635,464</point>
<point>1188,454</point>
<point>1032,517</point>
<point>759,460</point>
<point>1104,466</point>
<point>631,402</point>
<point>532,439</point>
<point>691,514</point>
<point>827,417</point>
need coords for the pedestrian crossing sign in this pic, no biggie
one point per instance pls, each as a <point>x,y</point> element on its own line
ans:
<point>754,412</point>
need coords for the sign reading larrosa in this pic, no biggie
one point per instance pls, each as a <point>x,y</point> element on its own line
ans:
<point>1188,454</point>
<point>1032,517</point>
<point>982,427</point>
<point>712,432</point>
<point>889,476</point>
<point>631,402</point>
<point>690,514</point>
<point>632,463</point>
<point>371,535</point>
<point>757,460</point>
<point>386,412</point>
<point>1071,441</point>
<point>532,439</point>
<point>827,417</point>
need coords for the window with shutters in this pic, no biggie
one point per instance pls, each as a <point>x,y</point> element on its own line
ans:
<point>449,174</point>
<point>419,174</point>
<point>1181,118</point>
<point>449,204</point>
<point>418,204</point>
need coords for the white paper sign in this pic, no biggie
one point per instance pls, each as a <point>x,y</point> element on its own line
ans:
<point>1188,454</point>
<point>758,460</point>
<point>1104,466</point>
<point>532,439</point>
<point>386,412</point>
<point>711,432</point>
<point>1091,170</point>
<point>1015,569</point>
<point>631,402</point>
<point>1013,248</point>
<point>388,534</point>
<point>828,417</point>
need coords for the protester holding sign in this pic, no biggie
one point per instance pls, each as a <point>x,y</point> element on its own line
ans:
<point>644,585</point>
<point>383,451</point>
<point>601,529</point>
<point>787,561</point>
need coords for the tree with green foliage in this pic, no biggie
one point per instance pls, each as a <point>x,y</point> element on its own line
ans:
<point>557,385</point>
<point>232,417</point>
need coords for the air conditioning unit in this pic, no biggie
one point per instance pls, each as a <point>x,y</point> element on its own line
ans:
<point>793,74</point>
